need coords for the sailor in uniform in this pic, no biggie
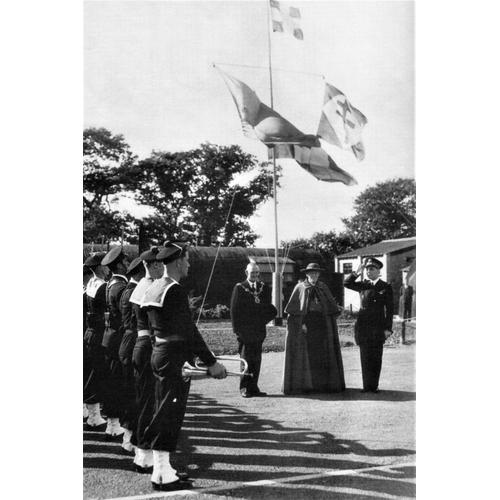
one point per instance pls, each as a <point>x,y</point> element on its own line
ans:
<point>177,340</point>
<point>141,360</point>
<point>374,323</point>
<point>117,262</point>
<point>135,272</point>
<point>95,369</point>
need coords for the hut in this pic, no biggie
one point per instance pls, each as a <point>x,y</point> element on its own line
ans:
<point>230,267</point>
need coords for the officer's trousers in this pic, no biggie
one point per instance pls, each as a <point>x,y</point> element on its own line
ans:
<point>371,364</point>
<point>171,393</point>
<point>144,389</point>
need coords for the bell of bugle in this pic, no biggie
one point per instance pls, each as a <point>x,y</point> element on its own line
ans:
<point>200,370</point>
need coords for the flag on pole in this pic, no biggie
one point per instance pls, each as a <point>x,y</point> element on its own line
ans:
<point>261,122</point>
<point>341,123</point>
<point>286,19</point>
<point>316,161</point>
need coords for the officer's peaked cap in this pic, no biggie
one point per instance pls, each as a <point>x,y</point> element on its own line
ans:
<point>94,259</point>
<point>372,261</point>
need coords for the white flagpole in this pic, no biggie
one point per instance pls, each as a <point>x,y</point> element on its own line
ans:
<point>276,274</point>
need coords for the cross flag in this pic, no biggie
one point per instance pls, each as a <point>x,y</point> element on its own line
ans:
<point>341,123</point>
<point>261,122</point>
<point>286,19</point>
<point>316,161</point>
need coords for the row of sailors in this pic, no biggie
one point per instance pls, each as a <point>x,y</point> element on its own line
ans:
<point>138,333</point>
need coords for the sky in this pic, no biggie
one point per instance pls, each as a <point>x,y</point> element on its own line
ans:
<point>149,75</point>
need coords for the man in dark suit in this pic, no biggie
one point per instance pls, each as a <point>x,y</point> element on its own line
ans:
<point>374,323</point>
<point>251,310</point>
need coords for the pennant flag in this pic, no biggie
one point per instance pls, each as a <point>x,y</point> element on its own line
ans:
<point>316,161</point>
<point>259,121</point>
<point>286,19</point>
<point>341,123</point>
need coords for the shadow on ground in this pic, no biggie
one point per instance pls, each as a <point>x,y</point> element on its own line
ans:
<point>223,444</point>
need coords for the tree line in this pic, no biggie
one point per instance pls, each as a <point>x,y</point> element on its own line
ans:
<point>189,193</point>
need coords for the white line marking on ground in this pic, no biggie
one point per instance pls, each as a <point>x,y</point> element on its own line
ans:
<point>266,482</point>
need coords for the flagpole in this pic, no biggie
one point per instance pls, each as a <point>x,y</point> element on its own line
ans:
<point>276,274</point>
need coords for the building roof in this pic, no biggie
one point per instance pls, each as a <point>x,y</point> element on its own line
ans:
<point>381,248</point>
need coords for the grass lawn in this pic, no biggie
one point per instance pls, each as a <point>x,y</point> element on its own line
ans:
<point>220,337</point>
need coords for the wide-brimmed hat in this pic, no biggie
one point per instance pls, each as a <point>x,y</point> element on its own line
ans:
<point>313,266</point>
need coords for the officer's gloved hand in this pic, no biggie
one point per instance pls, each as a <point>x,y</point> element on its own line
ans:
<point>217,370</point>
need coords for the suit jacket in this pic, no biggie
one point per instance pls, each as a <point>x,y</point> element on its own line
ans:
<point>375,314</point>
<point>249,318</point>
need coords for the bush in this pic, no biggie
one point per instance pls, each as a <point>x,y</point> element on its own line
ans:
<point>220,311</point>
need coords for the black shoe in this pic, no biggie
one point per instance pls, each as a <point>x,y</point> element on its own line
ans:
<point>260,394</point>
<point>173,486</point>
<point>143,470</point>
<point>183,476</point>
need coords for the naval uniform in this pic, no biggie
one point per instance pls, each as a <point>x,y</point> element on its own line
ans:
<point>113,404</point>
<point>375,316</point>
<point>95,371</point>
<point>251,310</point>
<point>125,352</point>
<point>177,341</point>
<point>141,361</point>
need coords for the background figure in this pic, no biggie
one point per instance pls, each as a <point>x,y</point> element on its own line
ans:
<point>405,296</point>
<point>251,310</point>
<point>374,323</point>
<point>313,359</point>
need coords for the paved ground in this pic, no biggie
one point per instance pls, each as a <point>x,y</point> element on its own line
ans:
<point>346,446</point>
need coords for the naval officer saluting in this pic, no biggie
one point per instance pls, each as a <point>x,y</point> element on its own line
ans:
<point>374,323</point>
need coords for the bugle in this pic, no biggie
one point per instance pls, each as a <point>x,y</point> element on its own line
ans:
<point>200,370</point>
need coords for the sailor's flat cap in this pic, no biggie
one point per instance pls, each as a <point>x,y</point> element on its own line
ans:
<point>94,259</point>
<point>171,250</point>
<point>114,255</point>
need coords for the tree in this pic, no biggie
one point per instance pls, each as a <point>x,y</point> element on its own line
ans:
<point>329,244</point>
<point>384,211</point>
<point>106,163</point>
<point>107,160</point>
<point>194,192</point>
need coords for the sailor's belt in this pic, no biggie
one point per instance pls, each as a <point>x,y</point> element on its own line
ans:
<point>170,338</point>
<point>143,333</point>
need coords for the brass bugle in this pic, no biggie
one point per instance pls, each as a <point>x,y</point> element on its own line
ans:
<point>200,370</point>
